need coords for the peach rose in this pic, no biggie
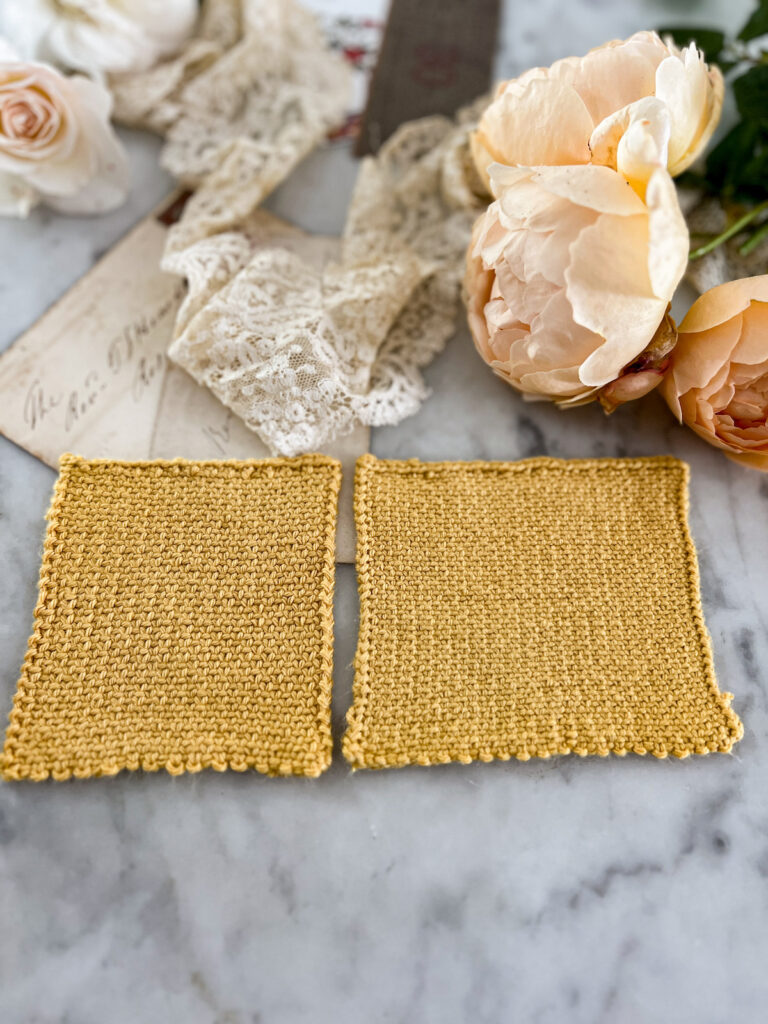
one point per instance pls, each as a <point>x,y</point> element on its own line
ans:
<point>576,111</point>
<point>56,142</point>
<point>718,380</point>
<point>569,278</point>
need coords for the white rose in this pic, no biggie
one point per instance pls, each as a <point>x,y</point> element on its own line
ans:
<point>56,143</point>
<point>98,36</point>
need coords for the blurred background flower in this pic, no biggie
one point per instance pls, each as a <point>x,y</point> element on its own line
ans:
<point>56,142</point>
<point>98,36</point>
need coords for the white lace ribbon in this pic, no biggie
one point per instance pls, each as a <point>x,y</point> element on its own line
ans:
<point>300,349</point>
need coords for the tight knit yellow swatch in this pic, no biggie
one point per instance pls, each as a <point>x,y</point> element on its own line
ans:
<point>184,621</point>
<point>529,609</point>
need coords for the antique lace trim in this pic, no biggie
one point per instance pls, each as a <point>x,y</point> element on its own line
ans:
<point>300,348</point>
<point>257,87</point>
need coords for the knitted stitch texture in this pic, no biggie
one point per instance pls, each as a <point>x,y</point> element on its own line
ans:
<point>184,621</point>
<point>529,609</point>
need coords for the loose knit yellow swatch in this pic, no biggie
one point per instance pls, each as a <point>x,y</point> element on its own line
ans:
<point>529,609</point>
<point>184,621</point>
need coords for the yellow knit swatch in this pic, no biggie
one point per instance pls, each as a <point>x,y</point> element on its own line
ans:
<point>529,609</point>
<point>184,621</point>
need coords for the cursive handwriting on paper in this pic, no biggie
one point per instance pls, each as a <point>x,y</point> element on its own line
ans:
<point>82,399</point>
<point>38,404</point>
<point>220,435</point>
<point>124,354</point>
<point>147,369</point>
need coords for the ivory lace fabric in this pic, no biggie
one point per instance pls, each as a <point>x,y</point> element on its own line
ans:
<point>299,347</point>
<point>255,89</point>
<point>302,351</point>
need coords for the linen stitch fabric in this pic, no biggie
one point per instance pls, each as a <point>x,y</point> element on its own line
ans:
<point>529,609</point>
<point>184,621</point>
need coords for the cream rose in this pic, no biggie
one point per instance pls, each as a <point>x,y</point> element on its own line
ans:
<point>56,142</point>
<point>569,278</point>
<point>98,36</point>
<point>718,380</point>
<point>576,111</point>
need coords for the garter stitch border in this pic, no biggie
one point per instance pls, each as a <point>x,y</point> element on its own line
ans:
<point>420,695</point>
<point>114,679</point>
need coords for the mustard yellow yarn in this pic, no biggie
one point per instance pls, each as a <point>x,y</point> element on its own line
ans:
<point>184,621</point>
<point>529,609</point>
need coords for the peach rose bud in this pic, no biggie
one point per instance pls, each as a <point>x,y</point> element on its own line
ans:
<point>718,379</point>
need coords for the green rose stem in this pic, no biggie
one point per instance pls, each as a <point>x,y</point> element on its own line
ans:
<point>752,243</point>
<point>734,229</point>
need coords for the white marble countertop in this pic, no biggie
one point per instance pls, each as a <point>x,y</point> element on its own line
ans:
<point>576,891</point>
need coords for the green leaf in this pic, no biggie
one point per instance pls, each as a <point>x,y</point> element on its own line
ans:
<point>726,160</point>
<point>753,180</point>
<point>709,40</point>
<point>757,25</point>
<point>737,167</point>
<point>691,179</point>
<point>751,92</point>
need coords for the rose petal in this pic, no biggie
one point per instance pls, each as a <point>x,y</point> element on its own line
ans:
<point>598,188</point>
<point>543,122</point>
<point>724,301</point>
<point>643,147</point>
<point>100,36</point>
<point>693,95</point>
<point>17,197</point>
<point>669,239</point>
<point>610,291</point>
<point>698,359</point>
<point>96,177</point>
<point>614,75</point>
<point>560,383</point>
<point>755,460</point>
<point>753,342</point>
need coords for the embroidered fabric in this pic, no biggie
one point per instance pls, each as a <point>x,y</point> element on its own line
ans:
<point>257,87</point>
<point>300,349</point>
